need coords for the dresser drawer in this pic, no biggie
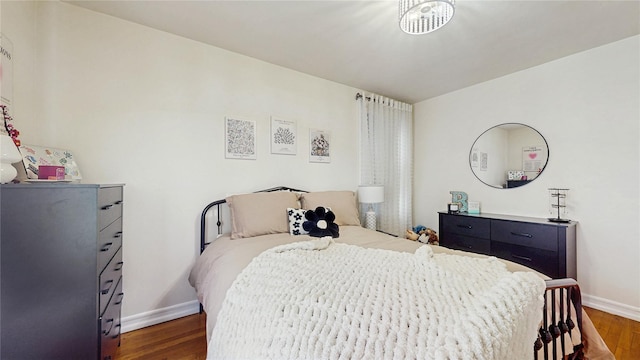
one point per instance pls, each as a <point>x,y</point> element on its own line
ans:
<point>536,236</point>
<point>544,261</point>
<point>109,205</point>
<point>465,225</point>
<point>109,241</point>
<point>110,327</point>
<point>466,243</point>
<point>109,279</point>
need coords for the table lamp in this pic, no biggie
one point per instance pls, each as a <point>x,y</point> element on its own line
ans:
<point>370,194</point>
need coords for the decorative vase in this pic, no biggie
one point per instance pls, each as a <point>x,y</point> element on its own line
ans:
<point>9,154</point>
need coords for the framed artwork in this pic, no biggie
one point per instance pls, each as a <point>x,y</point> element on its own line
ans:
<point>6,70</point>
<point>484,161</point>
<point>475,158</point>
<point>319,146</point>
<point>532,158</point>
<point>240,139</point>
<point>283,136</point>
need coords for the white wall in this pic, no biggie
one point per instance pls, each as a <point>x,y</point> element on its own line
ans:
<point>146,108</point>
<point>587,106</point>
<point>125,97</point>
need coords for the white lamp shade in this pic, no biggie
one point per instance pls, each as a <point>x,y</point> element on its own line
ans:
<point>371,194</point>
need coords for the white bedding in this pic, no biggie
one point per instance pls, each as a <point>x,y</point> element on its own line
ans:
<point>219,265</point>
<point>339,301</point>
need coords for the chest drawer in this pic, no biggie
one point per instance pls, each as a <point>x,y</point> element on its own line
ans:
<point>466,243</point>
<point>109,241</point>
<point>109,279</point>
<point>531,235</point>
<point>544,261</point>
<point>110,326</point>
<point>109,205</point>
<point>465,225</point>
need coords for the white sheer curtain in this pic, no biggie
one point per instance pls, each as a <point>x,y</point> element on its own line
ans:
<point>386,158</point>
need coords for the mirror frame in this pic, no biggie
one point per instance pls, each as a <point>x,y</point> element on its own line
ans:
<point>517,185</point>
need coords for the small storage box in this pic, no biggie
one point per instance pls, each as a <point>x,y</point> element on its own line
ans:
<point>49,172</point>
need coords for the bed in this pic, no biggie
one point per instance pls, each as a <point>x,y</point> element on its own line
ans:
<point>272,291</point>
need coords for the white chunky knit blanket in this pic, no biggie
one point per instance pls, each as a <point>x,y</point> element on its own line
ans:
<point>323,300</point>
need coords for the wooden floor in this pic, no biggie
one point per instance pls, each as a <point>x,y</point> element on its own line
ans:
<point>621,335</point>
<point>185,338</point>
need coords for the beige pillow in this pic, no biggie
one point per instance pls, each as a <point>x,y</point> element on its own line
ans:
<point>342,203</point>
<point>260,213</point>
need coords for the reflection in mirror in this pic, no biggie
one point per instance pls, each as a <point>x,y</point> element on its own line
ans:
<point>509,155</point>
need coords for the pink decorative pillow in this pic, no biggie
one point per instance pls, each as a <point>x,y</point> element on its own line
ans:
<point>260,213</point>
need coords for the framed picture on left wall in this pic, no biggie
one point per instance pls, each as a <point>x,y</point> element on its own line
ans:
<point>240,138</point>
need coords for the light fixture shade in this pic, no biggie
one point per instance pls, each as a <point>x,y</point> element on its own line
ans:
<point>424,16</point>
<point>371,194</point>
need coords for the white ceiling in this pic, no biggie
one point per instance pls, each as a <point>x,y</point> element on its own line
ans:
<point>359,43</point>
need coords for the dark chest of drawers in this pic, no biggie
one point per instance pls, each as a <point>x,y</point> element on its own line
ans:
<point>61,267</point>
<point>547,247</point>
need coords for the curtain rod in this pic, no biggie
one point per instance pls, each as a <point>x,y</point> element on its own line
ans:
<point>384,101</point>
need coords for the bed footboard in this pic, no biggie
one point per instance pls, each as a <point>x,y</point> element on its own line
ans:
<point>560,334</point>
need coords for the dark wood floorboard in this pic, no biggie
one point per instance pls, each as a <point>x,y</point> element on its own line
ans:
<point>185,338</point>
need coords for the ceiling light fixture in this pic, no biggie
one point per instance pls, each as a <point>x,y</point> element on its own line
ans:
<point>424,16</point>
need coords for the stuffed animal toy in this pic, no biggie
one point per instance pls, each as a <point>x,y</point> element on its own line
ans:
<point>411,235</point>
<point>425,235</point>
<point>320,223</point>
<point>432,237</point>
<point>415,232</point>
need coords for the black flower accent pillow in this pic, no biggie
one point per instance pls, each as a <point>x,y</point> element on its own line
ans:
<point>320,223</point>
<point>296,218</point>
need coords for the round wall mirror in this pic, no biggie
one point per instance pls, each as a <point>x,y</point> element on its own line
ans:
<point>509,155</point>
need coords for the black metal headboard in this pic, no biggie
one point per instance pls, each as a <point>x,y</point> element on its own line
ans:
<point>216,204</point>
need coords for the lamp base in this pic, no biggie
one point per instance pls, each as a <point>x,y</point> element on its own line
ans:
<point>8,173</point>
<point>370,220</point>
<point>558,220</point>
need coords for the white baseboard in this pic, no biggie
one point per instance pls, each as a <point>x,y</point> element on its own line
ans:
<point>153,317</point>
<point>611,307</point>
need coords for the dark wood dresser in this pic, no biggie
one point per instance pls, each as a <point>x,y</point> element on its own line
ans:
<point>61,268</point>
<point>547,247</point>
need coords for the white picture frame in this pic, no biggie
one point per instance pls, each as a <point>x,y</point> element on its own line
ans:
<point>240,139</point>
<point>475,158</point>
<point>6,66</point>
<point>283,136</point>
<point>484,161</point>
<point>319,146</point>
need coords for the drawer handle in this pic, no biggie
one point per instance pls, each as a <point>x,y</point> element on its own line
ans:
<point>118,234</point>
<point>107,207</point>
<point>106,246</point>
<point>118,202</point>
<point>119,301</point>
<point>522,234</point>
<point>107,331</point>
<point>465,226</point>
<point>118,266</point>
<point>117,335</point>
<point>105,291</point>
<point>522,257</point>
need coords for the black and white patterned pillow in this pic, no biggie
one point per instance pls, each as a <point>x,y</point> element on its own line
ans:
<point>296,218</point>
